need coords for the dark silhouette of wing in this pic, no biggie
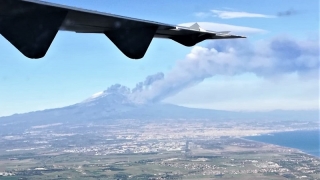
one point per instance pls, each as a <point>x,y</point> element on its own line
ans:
<point>31,26</point>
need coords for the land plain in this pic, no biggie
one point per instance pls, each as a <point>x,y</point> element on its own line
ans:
<point>167,149</point>
<point>111,136</point>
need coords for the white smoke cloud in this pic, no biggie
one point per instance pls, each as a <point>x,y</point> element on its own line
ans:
<point>141,86</point>
<point>269,59</point>
<point>153,78</point>
<point>118,88</point>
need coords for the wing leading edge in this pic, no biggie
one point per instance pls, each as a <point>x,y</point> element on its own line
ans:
<point>31,26</point>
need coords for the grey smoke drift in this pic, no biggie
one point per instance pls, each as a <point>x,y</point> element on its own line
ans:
<point>269,60</point>
<point>148,82</point>
<point>289,12</point>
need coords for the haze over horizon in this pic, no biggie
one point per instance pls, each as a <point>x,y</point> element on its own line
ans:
<point>276,67</point>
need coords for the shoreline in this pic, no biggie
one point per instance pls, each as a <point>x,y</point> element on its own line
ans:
<point>282,131</point>
<point>288,147</point>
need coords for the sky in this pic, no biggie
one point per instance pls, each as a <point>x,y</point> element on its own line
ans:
<point>276,67</point>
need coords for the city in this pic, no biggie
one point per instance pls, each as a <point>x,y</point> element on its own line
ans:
<point>170,149</point>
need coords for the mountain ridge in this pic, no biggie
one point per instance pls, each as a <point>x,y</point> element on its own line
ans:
<point>117,103</point>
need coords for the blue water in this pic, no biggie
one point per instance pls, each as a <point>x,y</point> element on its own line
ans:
<point>306,141</point>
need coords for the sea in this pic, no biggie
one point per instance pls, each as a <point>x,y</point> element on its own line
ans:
<point>307,141</point>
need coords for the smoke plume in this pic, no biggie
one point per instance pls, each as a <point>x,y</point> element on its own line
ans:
<point>269,59</point>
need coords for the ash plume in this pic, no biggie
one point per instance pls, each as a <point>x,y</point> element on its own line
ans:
<point>269,59</point>
<point>147,82</point>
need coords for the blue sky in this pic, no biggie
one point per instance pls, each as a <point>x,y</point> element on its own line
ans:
<point>79,65</point>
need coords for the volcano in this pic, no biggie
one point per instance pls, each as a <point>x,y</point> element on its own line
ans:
<point>117,103</point>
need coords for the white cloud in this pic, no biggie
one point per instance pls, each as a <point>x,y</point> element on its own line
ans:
<point>227,14</point>
<point>241,30</point>
<point>203,14</point>
<point>238,14</point>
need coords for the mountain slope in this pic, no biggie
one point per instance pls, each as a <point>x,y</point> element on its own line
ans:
<point>108,106</point>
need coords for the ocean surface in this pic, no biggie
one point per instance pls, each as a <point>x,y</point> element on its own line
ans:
<point>306,141</point>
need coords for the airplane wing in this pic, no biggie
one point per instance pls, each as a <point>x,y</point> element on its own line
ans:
<point>31,26</point>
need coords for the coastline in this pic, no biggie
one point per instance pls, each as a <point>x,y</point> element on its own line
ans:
<point>260,139</point>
